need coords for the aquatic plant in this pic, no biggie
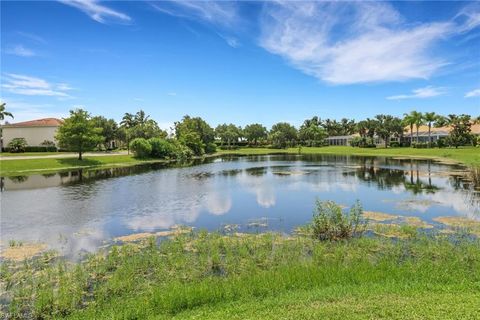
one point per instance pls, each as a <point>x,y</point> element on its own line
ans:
<point>330,222</point>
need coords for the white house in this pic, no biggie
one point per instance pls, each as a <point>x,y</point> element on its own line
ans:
<point>34,131</point>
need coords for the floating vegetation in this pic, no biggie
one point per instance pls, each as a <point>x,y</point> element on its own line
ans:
<point>416,222</point>
<point>258,223</point>
<point>174,231</point>
<point>17,251</point>
<point>379,216</point>
<point>469,225</point>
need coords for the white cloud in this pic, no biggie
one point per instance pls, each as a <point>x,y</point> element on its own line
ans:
<point>375,45</point>
<point>172,94</point>
<point>421,93</point>
<point>24,111</point>
<point>32,86</point>
<point>97,11</point>
<point>20,51</point>
<point>217,12</point>
<point>473,93</point>
<point>32,37</point>
<point>468,18</point>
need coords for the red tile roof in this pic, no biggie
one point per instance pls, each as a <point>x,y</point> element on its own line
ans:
<point>47,122</point>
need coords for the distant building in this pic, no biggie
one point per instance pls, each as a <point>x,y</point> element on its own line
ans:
<point>435,133</point>
<point>35,131</point>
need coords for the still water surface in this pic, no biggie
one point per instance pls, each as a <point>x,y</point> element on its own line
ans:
<point>77,212</point>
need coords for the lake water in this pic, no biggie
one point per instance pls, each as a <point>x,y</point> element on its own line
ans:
<point>79,211</point>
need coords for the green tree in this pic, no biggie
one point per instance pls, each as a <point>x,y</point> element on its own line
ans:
<point>255,132</point>
<point>228,133</point>
<point>430,118</point>
<point>417,118</point>
<point>78,133</point>
<point>283,135</point>
<point>409,120</point>
<point>127,123</point>
<point>109,129</point>
<point>388,126</point>
<point>311,133</point>
<point>4,113</point>
<point>461,128</point>
<point>194,132</point>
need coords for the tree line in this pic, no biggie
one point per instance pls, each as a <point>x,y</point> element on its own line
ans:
<point>193,136</point>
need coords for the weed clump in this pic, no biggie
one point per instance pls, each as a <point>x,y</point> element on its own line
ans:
<point>330,222</point>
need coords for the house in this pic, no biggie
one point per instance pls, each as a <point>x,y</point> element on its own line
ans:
<point>35,132</point>
<point>435,133</point>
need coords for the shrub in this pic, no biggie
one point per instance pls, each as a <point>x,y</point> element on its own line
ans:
<point>17,145</point>
<point>331,223</point>
<point>161,148</point>
<point>420,145</point>
<point>40,149</point>
<point>394,144</point>
<point>140,147</point>
<point>210,147</point>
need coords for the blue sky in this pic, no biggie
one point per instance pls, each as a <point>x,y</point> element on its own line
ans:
<point>240,62</point>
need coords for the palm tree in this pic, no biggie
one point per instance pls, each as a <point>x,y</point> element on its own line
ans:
<point>418,118</point>
<point>430,118</point>
<point>4,113</point>
<point>128,122</point>
<point>409,120</point>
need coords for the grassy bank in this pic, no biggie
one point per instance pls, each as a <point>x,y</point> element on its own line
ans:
<point>270,276</point>
<point>36,166</point>
<point>467,155</point>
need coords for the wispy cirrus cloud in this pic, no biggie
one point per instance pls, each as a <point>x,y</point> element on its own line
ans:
<point>222,14</point>
<point>473,93</point>
<point>340,42</point>
<point>33,86</point>
<point>421,93</point>
<point>32,37</point>
<point>97,11</point>
<point>354,42</point>
<point>216,12</point>
<point>20,51</point>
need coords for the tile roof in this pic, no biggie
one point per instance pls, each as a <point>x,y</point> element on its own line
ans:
<point>46,122</point>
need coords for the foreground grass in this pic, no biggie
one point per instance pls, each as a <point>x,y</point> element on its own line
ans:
<point>212,276</point>
<point>35,166</point>
<point>24,154</point>
<point>467,155</point>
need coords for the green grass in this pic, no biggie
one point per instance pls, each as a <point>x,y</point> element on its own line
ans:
<point>35,166</point>
<point>270,276</point>
<point>467,155</point>
<point>24,154</point>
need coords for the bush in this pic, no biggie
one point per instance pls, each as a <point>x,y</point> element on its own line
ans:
<point>362,142</point>
<point>331,223</point>
<point>394,144</point>
<point>17,145</point>
<point>140,147</point>
<point>210,147</point>
<point>182,152</point>
<point>420,145</point>
<point>41,149</point>
<point>161,148</point>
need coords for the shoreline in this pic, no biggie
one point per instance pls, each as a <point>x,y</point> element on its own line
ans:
<point>462,156</point>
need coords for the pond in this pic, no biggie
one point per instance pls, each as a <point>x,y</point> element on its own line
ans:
<point>79,211</point>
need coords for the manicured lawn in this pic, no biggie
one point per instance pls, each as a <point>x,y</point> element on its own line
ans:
<point>23,154</point>
<point>32,166</point>
<point>267,276</point>
<point>467,155</point>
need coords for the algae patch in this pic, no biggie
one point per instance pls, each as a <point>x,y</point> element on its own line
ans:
<point>24,251</point>
<point>379,216</point>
